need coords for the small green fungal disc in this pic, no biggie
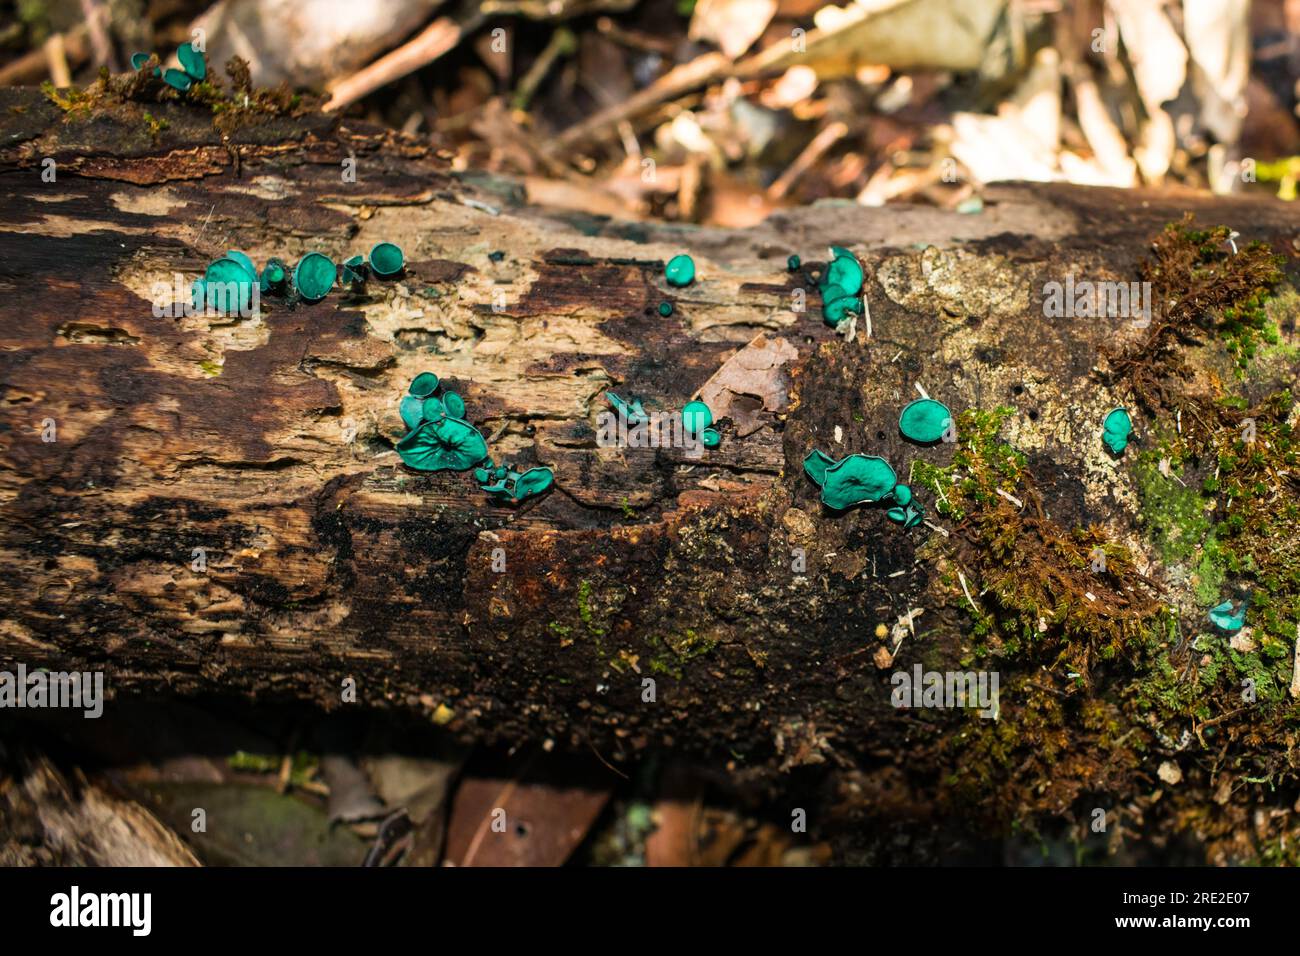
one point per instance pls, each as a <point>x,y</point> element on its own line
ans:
<point>424,385</point>
<point>412,411</point>
<point>924,420</point>
<point>903,494</point>
<point>680,271</point>
<point>314,276</point>
<point>915,515</point>
<point>448,443</point>
<point>386,259</point>
<point>815,464</point>
<point>178,79</point>
<point>897,514</point>
<point>710,438</point>
<point>192,61</point>
<point>138,60</point>
<point>696,416</point>
<point>354,270</point>
<point>455,404</point>
<point>665,309</point>
<point>1116,429</point>
<point>1228,618</point>
<point>793,263</point>
<point>481,475</point>
<point>856,479</point>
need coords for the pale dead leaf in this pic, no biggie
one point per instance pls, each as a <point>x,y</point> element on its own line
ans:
<point>751,382</point>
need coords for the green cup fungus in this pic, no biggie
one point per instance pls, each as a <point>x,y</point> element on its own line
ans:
<point>696,419</point>
<point>192,61</point>
<point>386,260</point>
<point>227,284</point>
<point>852,480</point>
<point>177,79</point>
<point>1228,617</point>
<point>793,263</point>
<point>314,276</point>
<point>841,287</point>
<point>925,421</point>
<point>454,404</point>
<point>424,385</point>
<point>439,437</point>
<point>680,271</point>
<point>665,309</point>
<point>1116,430</point>
<point>510,486</point>
<point>273,276</point>
<point>194,67</point>
<point>632,413</point>
<point>412,411</point>
<point>354,271</point>
<point>445,444</point>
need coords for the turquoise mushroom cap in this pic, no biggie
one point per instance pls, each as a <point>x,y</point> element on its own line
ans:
<point>192,61</point>
<point>315,276</point>
<point>696,417</point>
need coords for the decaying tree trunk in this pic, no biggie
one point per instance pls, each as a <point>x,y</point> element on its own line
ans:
<point>214,506</point>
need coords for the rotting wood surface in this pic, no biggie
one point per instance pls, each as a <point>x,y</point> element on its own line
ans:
<point>268,442</point>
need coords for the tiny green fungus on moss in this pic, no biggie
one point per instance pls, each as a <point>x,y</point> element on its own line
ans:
<point>1228,617</point>
<point>1116,429</point>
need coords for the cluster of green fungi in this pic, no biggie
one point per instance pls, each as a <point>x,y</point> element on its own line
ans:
<point>697,418</point>
<point>841,287</point>
<point>440,439</point>
<point>858,479</point>
<point>194,67</point>
<point>311,280</point>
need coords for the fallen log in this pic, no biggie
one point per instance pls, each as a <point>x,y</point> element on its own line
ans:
<point>202,504</point>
